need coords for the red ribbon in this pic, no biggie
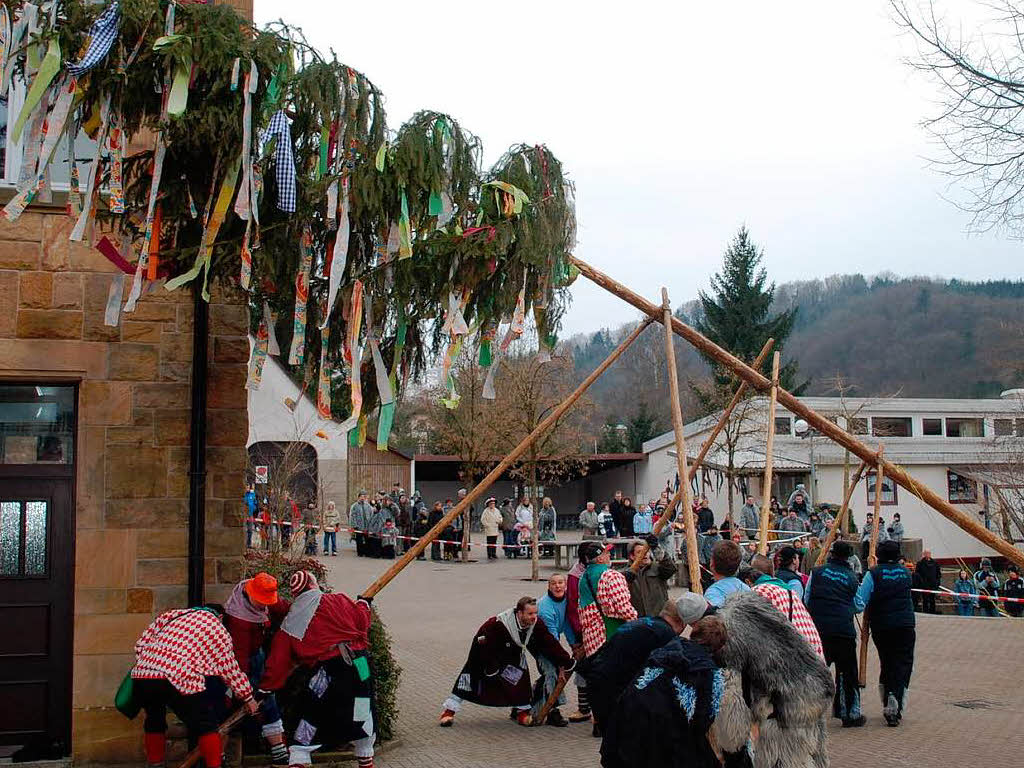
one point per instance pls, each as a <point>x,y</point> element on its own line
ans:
<point>491,232</point>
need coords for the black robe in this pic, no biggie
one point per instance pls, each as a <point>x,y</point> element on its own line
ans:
<point>662,718</point>
<point>494,675</point>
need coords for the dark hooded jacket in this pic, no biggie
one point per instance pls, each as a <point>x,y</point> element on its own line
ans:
<point>662,718</point>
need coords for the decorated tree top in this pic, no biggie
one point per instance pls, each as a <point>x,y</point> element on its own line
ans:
<point>259,161</point>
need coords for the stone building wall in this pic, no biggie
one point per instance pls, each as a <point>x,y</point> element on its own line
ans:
<point>132,486</point>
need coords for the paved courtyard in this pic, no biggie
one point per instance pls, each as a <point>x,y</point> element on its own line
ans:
<point>966,703</point>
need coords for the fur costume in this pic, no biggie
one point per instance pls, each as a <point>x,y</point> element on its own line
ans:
<point>775,680</point>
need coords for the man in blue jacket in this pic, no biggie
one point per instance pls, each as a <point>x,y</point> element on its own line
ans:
<point>886,593</point>
<point>551,611</point>
<point>832,600</point>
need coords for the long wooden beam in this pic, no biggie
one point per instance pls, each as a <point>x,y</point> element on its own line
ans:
<point>769,456</point>
<point>839,524</point>
<point>693,564</point>
<point>480,488</point>
<point>704,449</point>
<point>879,484</point>
<point>825,427</point>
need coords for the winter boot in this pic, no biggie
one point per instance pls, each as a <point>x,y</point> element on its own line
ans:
<point>891,711</point>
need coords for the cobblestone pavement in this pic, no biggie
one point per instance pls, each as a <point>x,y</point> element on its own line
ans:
<point>966,703</point>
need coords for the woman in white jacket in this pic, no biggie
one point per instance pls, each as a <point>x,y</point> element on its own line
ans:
<point>490,521</point>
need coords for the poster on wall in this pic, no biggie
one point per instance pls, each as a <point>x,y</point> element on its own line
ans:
<point>262,474</point>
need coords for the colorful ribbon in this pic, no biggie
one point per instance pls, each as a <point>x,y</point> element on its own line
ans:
<point>102,35</point>
<point>339,255</point>
<point>404,230</point>
<point>259,351</point>
<point>298,347</point>
<point>323,392</point>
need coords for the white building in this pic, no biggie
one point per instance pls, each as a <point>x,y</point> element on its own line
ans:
<point>961,449</point>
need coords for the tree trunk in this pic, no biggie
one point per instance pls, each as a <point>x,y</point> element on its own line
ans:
<point>846,484</point>
<point>728,514</point>
<point>534,547</point>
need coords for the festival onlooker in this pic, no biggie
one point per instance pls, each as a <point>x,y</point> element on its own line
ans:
<point>628,510</point>
<point>929,576</point>
<point>809,561</point>
<point>792,523</point>
<point>815,525</point>
<point>588,521</point>
<point>524,512</point>
<point>420,526</point>
<point>331,521</point>
<point>1013,587</point>
<point>606,523</point>
<point>705,517</point>
<point>508,525</point>
<point>648,587</point>
<point>865,535</point>
<point>798,504</point>
<point>358,517</point>
<point>725,562</point>
<point>249,499</point>
<point>799,490</point>
<point>895,530</point>
<point>618,507</point>
<point>403,521</point>
<point>490,521</point>
<point>750,518</point>
<point>436,516</point>
<point>964,585</point>
<point>987,582</point>
<point>388,540</point>
<point>643,522</point>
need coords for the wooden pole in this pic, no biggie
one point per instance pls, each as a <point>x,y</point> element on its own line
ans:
<point>879,483</point>
<point>684,474</point>
<point>704,449</point>
<point>839,523</point>
<point>478,490</point>
<point>825,427</point>
<point>865,634</point>
<point>193,756</point>
<point>552,699</point>
<point>766,483</point>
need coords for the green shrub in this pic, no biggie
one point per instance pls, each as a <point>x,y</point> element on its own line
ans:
<point>386,675</point>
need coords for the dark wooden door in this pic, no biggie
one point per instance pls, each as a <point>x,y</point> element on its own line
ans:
<point>36,588</point>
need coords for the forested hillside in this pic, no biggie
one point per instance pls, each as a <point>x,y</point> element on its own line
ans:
<point>883,335</point>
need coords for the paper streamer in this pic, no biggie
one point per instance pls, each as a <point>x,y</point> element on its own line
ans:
<point>115,143</point>
<point>158,167</point>
<point>298,348</point>
<point>339,256</point>
<point>78,233</point>
<point>220,211</point>
<point>245,274</point>
<point>234,73</point>
<point>259,351</point>
<point>244,201</point>
<point>323,393</point>
<point>48,69</point>
<point>353,346</point>
<point>273,348</point>
<point>112,314</point>
<point>404,231</point>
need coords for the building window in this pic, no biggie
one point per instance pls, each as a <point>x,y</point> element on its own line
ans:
<point>962,490</point>
<point>783,425</point>
<point>965,427</point>
<point>888,490</point>
<point>36,424</point>
<point>858,425</point>
<point>931,427</point>
<point>1003,427</point>
<point>899,426</point>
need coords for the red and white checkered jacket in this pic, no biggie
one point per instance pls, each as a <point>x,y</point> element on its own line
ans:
<point>184,647</point>
<point>782,599</point>
<point>613,595</point>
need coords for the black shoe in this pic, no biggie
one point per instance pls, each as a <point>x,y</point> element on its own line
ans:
<point>854,722</point>
<point>555,718</point>
<point>512,714</point>
<point>596,731</point>
<point>892,720</point>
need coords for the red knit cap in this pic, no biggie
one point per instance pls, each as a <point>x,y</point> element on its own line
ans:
<point>262,589</point>
<point>301,581</point>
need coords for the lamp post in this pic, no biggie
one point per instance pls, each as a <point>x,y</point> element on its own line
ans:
<point>805,432</point>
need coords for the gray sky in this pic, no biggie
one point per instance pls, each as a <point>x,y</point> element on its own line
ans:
<point>678,123</point>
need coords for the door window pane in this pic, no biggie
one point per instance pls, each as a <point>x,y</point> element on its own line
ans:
<point>10,537</point>
<point>36,424</point>
<point>35,538</point>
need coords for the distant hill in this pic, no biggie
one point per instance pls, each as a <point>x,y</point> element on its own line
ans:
<point>884,334</point>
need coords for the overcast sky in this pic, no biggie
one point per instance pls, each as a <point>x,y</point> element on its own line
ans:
<point>679,122</point>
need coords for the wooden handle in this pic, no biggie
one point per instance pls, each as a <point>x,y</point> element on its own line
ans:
<point>552,699</point>
<point>766,490</point>
<point>879,483</point>
<point>840,522</point>
<point>193,757</point>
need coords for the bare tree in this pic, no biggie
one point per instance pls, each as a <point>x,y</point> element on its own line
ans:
<point>1002,468</point>
<point>527,391</point>
<point>980,123</point>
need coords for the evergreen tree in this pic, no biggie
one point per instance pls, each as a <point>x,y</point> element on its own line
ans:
<point>737,316</point>
<point>642,426</point>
